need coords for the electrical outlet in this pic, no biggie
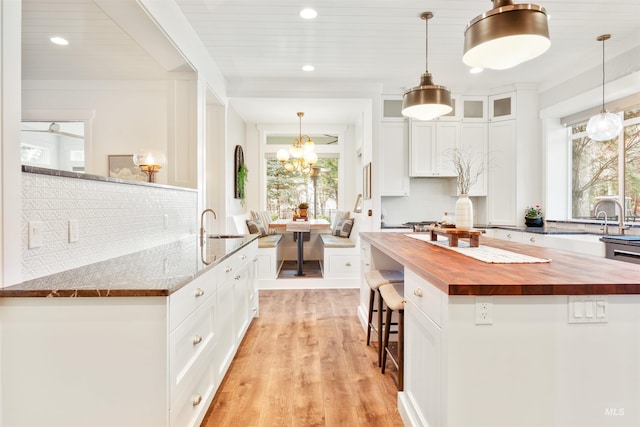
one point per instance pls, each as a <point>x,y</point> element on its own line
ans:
<point>74,233</point>
<point>165,221</point>
<point>35,234</point>
<point>484,311</point>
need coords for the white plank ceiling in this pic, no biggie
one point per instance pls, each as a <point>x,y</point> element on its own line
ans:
<point>374,41</point>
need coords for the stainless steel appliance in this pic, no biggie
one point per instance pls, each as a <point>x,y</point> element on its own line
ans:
<point>623,248</point>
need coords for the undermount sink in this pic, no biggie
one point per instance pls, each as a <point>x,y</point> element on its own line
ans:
<point>226,236</point>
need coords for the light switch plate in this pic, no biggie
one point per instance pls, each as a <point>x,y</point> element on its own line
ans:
<point>588,309</point>
<point>74,233</point>
<point>35,234</point>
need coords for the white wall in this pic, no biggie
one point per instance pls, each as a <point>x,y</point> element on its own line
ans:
<point>237,135</point>
<point>127,114</point>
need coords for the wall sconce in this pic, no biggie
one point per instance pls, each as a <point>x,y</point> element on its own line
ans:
<point>150,162</point>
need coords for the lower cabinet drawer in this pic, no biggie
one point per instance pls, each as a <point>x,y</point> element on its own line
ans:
<point>190,401</point>
<point>344,264</point>
<point>186,300</point>
<point>190,340</point>
<point>426,296</point>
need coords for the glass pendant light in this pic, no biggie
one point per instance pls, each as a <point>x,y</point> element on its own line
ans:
<point>426,101</point>
<point>505,36</point>
<point>604,125</point>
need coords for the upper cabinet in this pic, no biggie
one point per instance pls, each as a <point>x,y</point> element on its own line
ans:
<point>474,109</point>
<point>502,107</point>
<point>394,160</point>
<point>431,146</point>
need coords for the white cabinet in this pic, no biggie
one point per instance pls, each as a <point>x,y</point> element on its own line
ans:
<point>502,107</point>
<point>423,352</point>
<point>431,148</point>
<point>394,176</point>
<point>123,361</point>
<point>501,192</point>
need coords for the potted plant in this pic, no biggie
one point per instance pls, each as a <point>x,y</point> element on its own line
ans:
<point>302,207</point>
<point>533,216</point>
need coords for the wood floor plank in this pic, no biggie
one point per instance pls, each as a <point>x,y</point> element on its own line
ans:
<point>304,362</point>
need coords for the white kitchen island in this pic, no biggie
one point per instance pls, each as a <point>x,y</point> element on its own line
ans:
<point>546,344</point>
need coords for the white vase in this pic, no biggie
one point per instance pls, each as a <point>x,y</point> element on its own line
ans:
<point>464,213</point>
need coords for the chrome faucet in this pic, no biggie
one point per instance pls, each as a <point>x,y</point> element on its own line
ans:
<point>621,225</point>
<point>605,226</point>
<point>202,223</point>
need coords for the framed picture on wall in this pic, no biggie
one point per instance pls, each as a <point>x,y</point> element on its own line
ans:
<point>366,181</point>
<point>122,166</point>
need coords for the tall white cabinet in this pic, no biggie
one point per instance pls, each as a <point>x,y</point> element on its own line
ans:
<point>394,168</point>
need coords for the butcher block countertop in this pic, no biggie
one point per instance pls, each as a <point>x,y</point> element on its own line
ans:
<point>455,274</point>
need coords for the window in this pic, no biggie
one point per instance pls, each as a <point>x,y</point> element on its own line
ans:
<point>599,167</point>
<point>286,190</point>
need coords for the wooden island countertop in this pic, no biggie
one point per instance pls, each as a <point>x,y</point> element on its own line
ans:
<point>455,274</point>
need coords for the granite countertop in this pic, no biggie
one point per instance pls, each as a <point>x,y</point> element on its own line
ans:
<point>158,271</point>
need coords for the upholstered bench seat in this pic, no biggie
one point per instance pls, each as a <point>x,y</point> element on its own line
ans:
<point>270,241</point>
<point>331,241</point>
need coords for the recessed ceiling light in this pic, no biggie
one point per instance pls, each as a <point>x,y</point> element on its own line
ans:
<point>308,68</point>
<point>308,13</point>
<point>476,70</point>
<point>59,40</point>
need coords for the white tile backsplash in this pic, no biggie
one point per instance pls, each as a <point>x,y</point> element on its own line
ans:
<point>114,219</point>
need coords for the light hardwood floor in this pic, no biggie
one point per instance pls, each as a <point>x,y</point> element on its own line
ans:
<point>305,362</point>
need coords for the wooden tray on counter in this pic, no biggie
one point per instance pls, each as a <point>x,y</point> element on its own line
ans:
<point>453,234</point>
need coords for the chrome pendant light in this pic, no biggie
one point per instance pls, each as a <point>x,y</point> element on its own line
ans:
<point>505,36</point>
<point>605,125</point>
<point>426,101</point>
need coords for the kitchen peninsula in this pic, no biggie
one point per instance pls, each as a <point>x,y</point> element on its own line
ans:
<point>520,344</point>
<point>139,340</point>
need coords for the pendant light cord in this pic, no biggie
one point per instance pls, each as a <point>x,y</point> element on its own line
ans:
<point>426,44</point>
<point>603,40</point>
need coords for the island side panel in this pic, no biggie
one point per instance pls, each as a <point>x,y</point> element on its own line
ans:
<point>84,361</point>
<point>531,367</point>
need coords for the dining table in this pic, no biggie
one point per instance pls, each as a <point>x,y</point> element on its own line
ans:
<point>299,227</point>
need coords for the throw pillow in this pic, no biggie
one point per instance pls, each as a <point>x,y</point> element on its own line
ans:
<point>339,215</point>
<point>255,227</point>
<point>345,230</point>
<point>338,227</point>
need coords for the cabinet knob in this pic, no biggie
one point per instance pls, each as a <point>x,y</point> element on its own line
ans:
<point>255,260</point>
<point>243,257</point>
<point>417,292</point>
<point>348,263</point>
<point>197,339</point>
<point>196,400</point>
<point>199,292</point>
<point>228,269</point>
<point>254,309</point>
<point>532,239</point>
<point>509,236</point>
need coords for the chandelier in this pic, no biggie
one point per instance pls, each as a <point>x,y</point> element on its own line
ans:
<point>300,157</point>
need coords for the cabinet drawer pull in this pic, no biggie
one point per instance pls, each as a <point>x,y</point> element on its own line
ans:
<point>197,339</point>
<point>509,236</point>
<point>199,292</point>
<point>196,400</point>
<point>533,239</point>
<point>237,277</point>
<point>348,263</point>
<point>254,309</point>
<point>228,269</point>
<point>255,260</point>
<point>367,264</point>
<point>417,292</point>
<point>243,257</point>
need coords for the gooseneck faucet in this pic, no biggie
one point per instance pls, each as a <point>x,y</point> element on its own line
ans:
<point>621,225</point>
<point>605,226</point>
<point>202,223</point>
